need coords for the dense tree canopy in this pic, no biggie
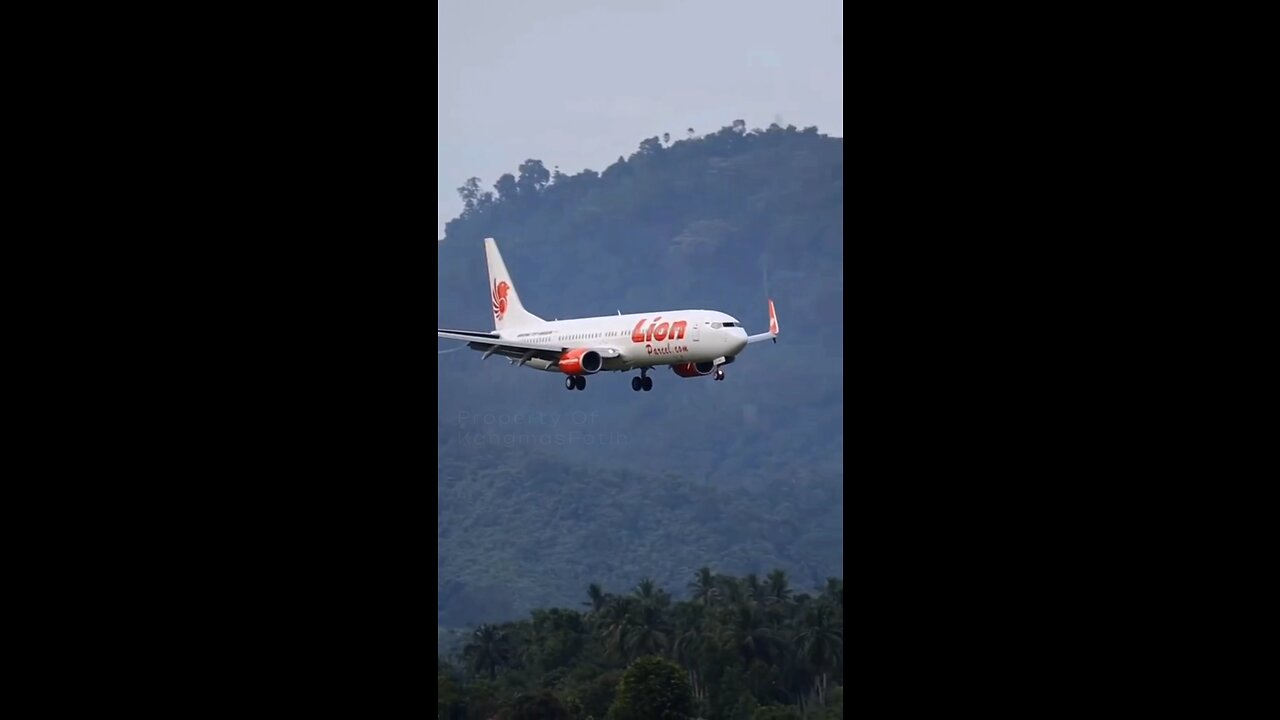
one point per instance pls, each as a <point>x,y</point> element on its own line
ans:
<point>754,648</point>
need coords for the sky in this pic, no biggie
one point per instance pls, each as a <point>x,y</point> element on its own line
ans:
<point>577,83</point>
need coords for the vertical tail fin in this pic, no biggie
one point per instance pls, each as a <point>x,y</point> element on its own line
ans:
<point>507,310</point>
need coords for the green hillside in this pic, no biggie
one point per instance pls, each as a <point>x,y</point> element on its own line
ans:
<point>516,532</point>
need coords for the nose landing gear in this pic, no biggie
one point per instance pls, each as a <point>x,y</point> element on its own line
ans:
<point>719,374</point>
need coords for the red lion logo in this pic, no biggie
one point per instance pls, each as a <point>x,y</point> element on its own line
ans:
<point>500,299</point>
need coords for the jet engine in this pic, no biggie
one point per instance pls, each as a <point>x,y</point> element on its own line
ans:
<point>581,361</point>
<point>694,369</point>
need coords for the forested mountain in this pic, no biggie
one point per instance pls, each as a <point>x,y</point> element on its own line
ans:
<point>748,648</point>
<point>517,531</point>
<point>541,490</point>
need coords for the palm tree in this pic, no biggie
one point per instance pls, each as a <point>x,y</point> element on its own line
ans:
<point>695,636</point>
<point>835,590</point>
<point>704,586</point>
<point>730,589</point>
<point>821,644</point>
<point>647,633</point>
<point>650,594</point>
<point>612,622</point>
<point>646,589</point>
<point>748,633</point>
<point>754,589</point>
<point>778,587</point>
<point>596,597</point>
<point>487,650</point>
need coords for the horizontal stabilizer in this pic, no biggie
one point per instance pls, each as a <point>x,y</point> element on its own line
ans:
<point>468,333</point>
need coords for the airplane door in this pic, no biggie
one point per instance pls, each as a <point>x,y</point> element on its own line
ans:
<point>695,332</point>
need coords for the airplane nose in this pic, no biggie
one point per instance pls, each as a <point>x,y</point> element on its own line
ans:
<point>738,340</point>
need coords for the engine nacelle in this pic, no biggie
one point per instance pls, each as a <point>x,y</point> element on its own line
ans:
<point>581,361</point>
<point>694,369</point>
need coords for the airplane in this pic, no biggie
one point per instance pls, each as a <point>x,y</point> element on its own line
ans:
<point>694,343</point>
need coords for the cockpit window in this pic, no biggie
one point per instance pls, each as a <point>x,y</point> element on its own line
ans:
<point>731,324</point>
<point>715,325</point>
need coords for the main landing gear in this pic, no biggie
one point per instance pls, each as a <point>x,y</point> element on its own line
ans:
<point>575,382</point>
<point>644,382</point>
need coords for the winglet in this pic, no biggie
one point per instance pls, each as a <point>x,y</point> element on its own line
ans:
<point>773,328</point>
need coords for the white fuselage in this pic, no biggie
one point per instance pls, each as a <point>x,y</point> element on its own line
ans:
<point>642,339</point>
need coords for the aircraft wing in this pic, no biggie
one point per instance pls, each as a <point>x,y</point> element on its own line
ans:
<point>491,344</point>
<point>773,328</point>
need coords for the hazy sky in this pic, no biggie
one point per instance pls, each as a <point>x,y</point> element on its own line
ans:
<point>577,83</point>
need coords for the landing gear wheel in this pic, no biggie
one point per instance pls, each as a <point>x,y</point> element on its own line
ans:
<point>719,375</point>
<point>568,383</point>
<point>635,384</point>
<point>581,382</point>
<point>647,384</point>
